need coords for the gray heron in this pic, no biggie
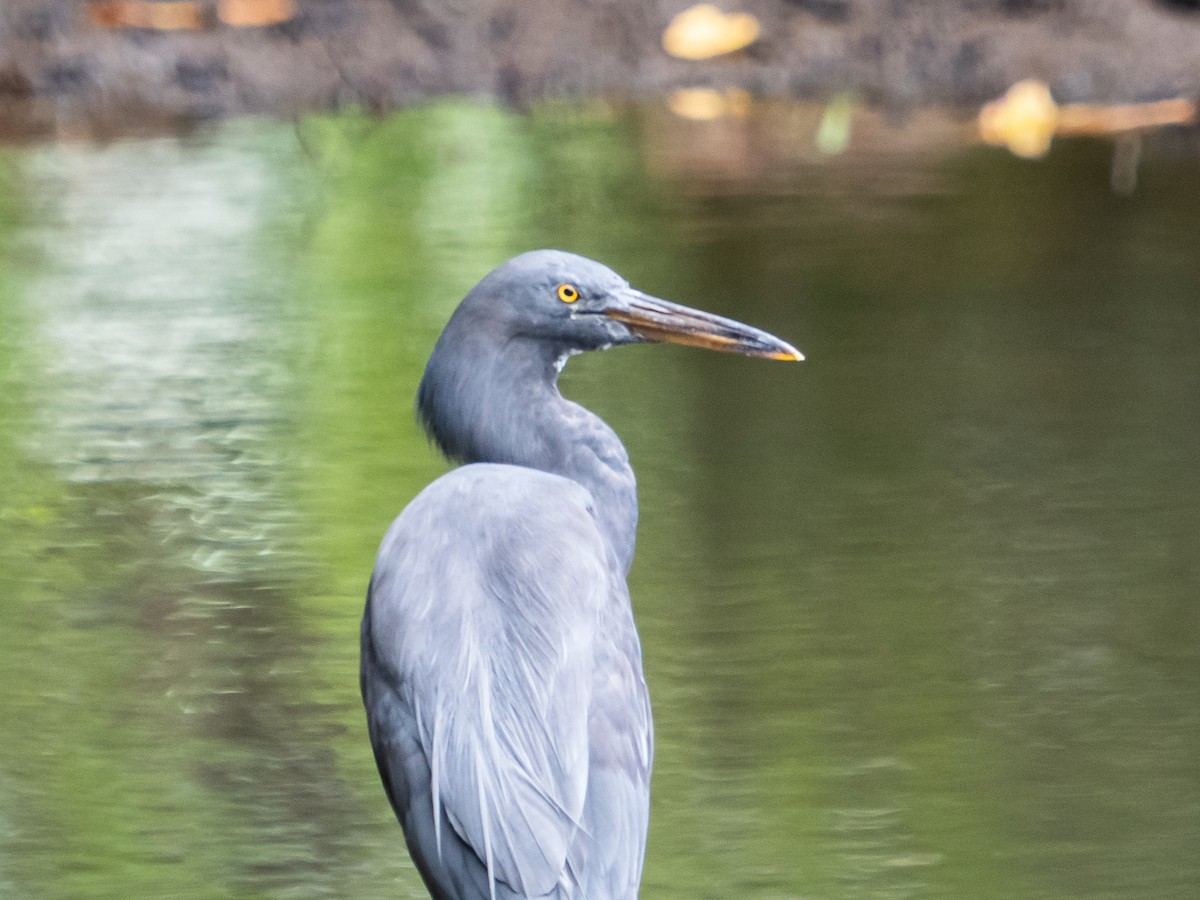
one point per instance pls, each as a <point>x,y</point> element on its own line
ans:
<point>501,669</point>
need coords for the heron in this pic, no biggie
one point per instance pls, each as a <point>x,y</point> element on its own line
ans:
<point>501,669</point>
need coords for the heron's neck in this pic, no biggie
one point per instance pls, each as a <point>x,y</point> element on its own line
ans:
<point>500,403</point>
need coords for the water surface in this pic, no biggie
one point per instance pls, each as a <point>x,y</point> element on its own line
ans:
<point>920,615</point>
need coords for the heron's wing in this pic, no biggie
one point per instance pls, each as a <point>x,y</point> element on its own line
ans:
<point>486,608</point>
<point>620,747</point>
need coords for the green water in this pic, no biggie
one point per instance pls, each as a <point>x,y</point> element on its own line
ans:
<point>921,616</point>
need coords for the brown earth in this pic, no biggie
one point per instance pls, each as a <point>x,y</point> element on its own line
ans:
<point>60,71</point>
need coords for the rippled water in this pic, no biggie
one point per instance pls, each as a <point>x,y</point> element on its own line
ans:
<point>920,616</point>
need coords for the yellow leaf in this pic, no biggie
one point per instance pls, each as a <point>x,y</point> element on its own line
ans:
<point>703,31</point>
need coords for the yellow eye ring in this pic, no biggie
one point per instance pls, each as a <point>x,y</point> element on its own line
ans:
<point>568,293</point>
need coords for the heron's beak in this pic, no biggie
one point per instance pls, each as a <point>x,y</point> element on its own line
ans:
<point>660,320</point>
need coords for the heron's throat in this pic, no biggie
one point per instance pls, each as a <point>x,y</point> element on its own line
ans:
<point>501,404</point>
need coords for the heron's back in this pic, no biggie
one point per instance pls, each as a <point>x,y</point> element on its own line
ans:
<point>503,684</point>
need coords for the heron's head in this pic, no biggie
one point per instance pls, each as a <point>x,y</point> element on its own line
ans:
<point>572,304</point>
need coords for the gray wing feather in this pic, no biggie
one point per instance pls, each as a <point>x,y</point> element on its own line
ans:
<point>494,605</point>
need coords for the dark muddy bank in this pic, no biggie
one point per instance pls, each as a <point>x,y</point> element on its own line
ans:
<point>60,71</point>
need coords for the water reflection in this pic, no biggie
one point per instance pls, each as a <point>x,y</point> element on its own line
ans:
<point>918,615</point>
<point>161,323</point>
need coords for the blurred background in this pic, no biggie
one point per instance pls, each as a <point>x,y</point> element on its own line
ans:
<point>921,616</point>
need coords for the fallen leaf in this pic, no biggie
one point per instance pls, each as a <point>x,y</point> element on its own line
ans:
<point>703,31</point>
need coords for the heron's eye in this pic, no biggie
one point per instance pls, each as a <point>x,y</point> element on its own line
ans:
<point>568,293</point>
